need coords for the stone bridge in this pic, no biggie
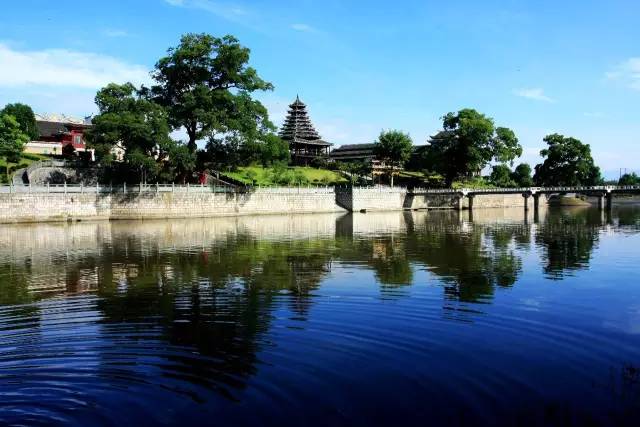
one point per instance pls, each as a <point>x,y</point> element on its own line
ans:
<point>604,193</point>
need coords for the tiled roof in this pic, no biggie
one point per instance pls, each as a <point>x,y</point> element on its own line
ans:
<point>354,147</point>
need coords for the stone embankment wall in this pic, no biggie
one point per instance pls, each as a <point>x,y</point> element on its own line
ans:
<point>36,207</point>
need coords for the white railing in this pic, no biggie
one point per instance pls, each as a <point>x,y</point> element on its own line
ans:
<point>125,188</point>
<point>201,188</point>
<point>156,188</point>
<point>532,190</point>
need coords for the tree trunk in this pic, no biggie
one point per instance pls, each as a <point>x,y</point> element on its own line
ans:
<point>192,139</point>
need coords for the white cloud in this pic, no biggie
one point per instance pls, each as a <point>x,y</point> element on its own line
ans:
<point>627,72</point>
<point>65,68</point>
<point>533,93</point>
<point>303,27</point>
<point>113,32</point>
<point>228,11</point>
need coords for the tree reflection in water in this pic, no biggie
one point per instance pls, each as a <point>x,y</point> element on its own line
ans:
<point>568,238</point>
<point>216,288</point>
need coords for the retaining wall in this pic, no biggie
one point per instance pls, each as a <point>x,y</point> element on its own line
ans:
<point>36,207</point>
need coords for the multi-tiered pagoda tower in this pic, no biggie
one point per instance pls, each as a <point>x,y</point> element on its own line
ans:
<point>304,142</point>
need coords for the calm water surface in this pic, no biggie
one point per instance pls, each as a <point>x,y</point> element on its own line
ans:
<point>422,318</point>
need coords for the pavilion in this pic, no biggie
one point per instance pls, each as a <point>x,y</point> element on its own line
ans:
<point>305,143</point>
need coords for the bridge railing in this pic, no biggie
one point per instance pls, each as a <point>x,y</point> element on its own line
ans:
<point>531,190</point>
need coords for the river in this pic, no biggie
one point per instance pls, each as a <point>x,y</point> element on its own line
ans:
<point>403,318</point>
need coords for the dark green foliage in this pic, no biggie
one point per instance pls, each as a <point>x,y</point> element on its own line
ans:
<point>180,164</point>
<point>501,176</point>
<point>205,84</point>
<point>140,126</point>
<point>629,179</point>
<point>393,148</point>
<point>522,175</point>
<point>273,150</point>
<point>231,152</point>
<point>469,140</point>
<point>567,162</point>
<point>129,119</point>
<point>68,151</point>
<point>25,118</point>
<point>12,138</point>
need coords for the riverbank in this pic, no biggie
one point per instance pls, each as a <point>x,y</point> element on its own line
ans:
<point>197,202</point>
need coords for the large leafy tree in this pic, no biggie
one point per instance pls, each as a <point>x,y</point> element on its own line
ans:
<point>567,161</point>
<point>140,126</point>
<point>25,118</point>
<point>205,84</point>
<point>468,142</point>
<point>12,138</point>
<point>393,148</point>
<point>522,175</point>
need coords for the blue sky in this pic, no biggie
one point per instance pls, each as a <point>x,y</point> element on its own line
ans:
<point>537,67</point>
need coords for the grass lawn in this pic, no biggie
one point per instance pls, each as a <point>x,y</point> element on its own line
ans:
<point>257,175</point>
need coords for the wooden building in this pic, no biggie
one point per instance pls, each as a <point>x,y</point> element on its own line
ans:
<point>358,153</point>
<point>305,143</point>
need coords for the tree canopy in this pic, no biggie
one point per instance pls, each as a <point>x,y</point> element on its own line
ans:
<point>629,179</point>
<point>25,118</point>
<point>567,161</point>
<point>12,138</point>
<point>501,176</point>
<point>393,148</point>
<point>521,175</point>
<point>140,127</point>
<point>468,142</point>
<point>205,84</point>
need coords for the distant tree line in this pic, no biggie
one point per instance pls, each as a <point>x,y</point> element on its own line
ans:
<point>470,141</point>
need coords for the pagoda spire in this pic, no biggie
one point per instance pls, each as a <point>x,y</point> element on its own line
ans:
<point>297,125</point>
<point>305,144</point>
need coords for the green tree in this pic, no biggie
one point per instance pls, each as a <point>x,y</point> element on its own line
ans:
<point>25,117</point>
<point>181,163</point>
<point>138,124</point>
<point>356,170</point>
<point>501,176</point>
<point>206,84</point>
<point>393,148</point>
<point>468,142</point>
<point>273,149</point>
<point>522,175</point>
<point>629,179</point>
<point>567,161</point>
<point>12,140</point>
